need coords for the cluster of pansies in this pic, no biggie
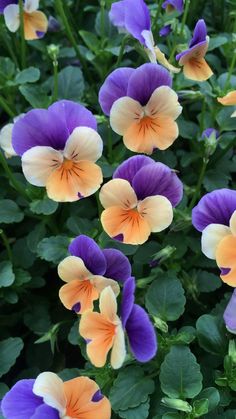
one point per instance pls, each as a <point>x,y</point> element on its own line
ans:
<point>60,149</point>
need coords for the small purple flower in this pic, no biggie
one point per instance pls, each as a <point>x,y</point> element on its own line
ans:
<point>165,31</point>
<point>209,131</point>
<point>171,5</point>
<point>53,24</point>
<point>230,314</point>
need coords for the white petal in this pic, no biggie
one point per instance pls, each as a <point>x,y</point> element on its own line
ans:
<point>83,144</point>
<point>124,112</point>
<point>232,223</point>
<point>149,41</point>
<point>233,115</point>
<point>157,211</point>
<point>118,352</point>
<point>6,140</point>
<point>72,268</point>
<point>12,17</point>
<point>108,304</point>
<point>39,162</point>
<point>31,5</point>
<point>50,387</point>
<point>100,282</point>
<point>164,101</point>
<point>118,192</point>
<point>211,237</point>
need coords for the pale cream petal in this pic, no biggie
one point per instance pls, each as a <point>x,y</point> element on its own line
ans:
<point>6,140</point>
<point>39,162</point>
<point>31,5</point>
<point>233,114</point>
<point>108,304</point>
<point>72,267</point>
<point>12,17</point>
<point>50,387</point>
<point>157,211</point>
<point>163,102</point>
<point>149,42</point>
<point>211,237</point>
<point>232,223</point>
<point>83,144</point>
<point>118,351</point>
<point>161,58</point>
<point>100,283</point>
<point>118,192</point>
<point>124,112</point>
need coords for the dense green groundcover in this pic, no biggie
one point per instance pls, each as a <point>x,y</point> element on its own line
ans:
<point>194,372</point>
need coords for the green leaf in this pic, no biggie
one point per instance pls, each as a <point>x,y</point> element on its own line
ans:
<point>70,83</point>
<point>224,119</point>
<point>53,249</point>
<point>35,95</point>
<point>180,374</point>
<point>216,42</point>
<point>212,395</point>
<point>43,206</point>
<point>10,212</point>
<point>35,236</point>
<point>7,67</point>
<point>7,276</point>
<point>207,282</point>
<point>3,390</point>
<point>130,389</point>
<point>29,75</point>
<point>140,412</point>
<point>200,407</point>
<point>10,349</point>
<point>90,40</point>
<point>165,298</point>
<point>37,319</point>
<point>22,277</point>
<point>211,334</point>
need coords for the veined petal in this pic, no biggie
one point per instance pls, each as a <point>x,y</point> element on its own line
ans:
<point>118,351</point>
<point>87,249</point>
<point>78,295</point>
<point>124,112</point>
<point>35,25</point>
<point>71,268</point>
<point>6,140</point>
<point>108,304</point>
<point>157,211</point>
<point>83,144</point>
<point>164,102</point>
<point>118,265</point>
<point>197,70</point>
<point>127,301</point>
<point>211,237</point>
<point>130,167</point>
<point>118,192</point>
<point>100,283</point>
<point>31,5</point>
<point>229,99</point>
<point>226,259</point>
<point>39,162</point>
<point>12,17</point>
<point>50,387</point>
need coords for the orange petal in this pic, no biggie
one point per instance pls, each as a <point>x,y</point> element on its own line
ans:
<point>128,223</point>
<point>229,99</point>
<point>226,258</point>
<point>79,393</point>
<point>34,24</point>
<point>197,69</point>
<point>81,293</point>
<point>73,181</point>
<point>197,52</point>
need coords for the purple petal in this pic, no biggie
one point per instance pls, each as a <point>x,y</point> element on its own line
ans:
<point>177,4</point>
<point>40,34</point>
<point>114,87</point>
<point>76,307</point>
<point>141,334</point>
<point>127,302</point>
<point>158,179</point>
<point>137,18</point>
<point>165,30</point>
<point>53,24</point>
<point>189,50</point>
<point>118,266</point>
<point>145,79</point>
<point>117,14</point>
<point>209,131</point>
<point>214,208</point>
<point>225,271</point>
<point>119,238</point>
<point>92,256</point>
<point>97,396</point>
<point>230,313</point>
<point>128,169</point>
<point>5,3</point>
<point>52,127</point>
<point>45,412</point>
<point>199,33</point>
<point>20,402</point>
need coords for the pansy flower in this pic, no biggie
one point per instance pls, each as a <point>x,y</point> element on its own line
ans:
<point>229,100</point>
<point>215,217</point>
<point>171,5</point>
<point>230,314</point>
<point>48,397</point>
<point>35,22</point>
<point>105,331</point>
<point>193,60</point>
<point>139,200</point>
<point>88,271</point>
<point>142,107</point>
<point>209,132</point>
<point>59,148</point>
<point>165,31</point>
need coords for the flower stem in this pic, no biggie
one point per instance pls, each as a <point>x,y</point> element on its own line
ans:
<point>199,184</point>
<point>102,19</point>
<point>185,15</point>
<point>158,12</point>
<point>6,107</point>
<point>12,178</point>
<point>22,35</point>
<point>6,244</point>
<point>122,49</point>
<point>55,81</point>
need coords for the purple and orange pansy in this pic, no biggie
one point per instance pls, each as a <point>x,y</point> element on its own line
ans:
<point>192,59</point>
<point>172,5</point>
<point>105,331</point>
<point>142,107</point>
<point>48,397</point>
<point>139,200</point>
<point>88,271</point>
<point>215,217</point>
<point>229,100</point>
<point>35,22</point>
<point>59,148</point>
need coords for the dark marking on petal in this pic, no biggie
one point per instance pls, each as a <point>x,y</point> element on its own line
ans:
<point>76,307</point>
<point>88,340</point>
<point>40,34</point>
<point>224,271</point>
<point>119,237</point>
<point>80,196</point>
<point>97,396</point>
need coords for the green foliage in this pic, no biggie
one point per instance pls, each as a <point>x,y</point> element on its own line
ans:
<point>10,349</point>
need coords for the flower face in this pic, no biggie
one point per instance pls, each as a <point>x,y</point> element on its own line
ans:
<point>215,217</point>
<point>59,148</point>
<point>35,22</point>
<point>105,331</point>
<point>88,271</point>
<point>142,107</point>
<point>194,64</point>
<point>139,199</point>
<point>171,5</point>
<point>229,100</point>
<point>48,396</point>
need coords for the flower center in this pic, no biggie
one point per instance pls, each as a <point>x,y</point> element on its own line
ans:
<point>170,8</point>
<point>147,123</point>
<point>67,164</point>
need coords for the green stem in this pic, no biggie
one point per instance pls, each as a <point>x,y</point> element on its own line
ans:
<point>6,244</point>
<point>22,35</point>
<point>6,107</point>
<point>199,184</point>
<point>55,81</point>
<point>158,12</point>
<point>122,49</point>
<point>8,45</point>
<point>185,15</point>
<point>102,20</point>
<point>12,178</point>
<point>202,115</point>
<point>223,152</point>
<point>71,38</point>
